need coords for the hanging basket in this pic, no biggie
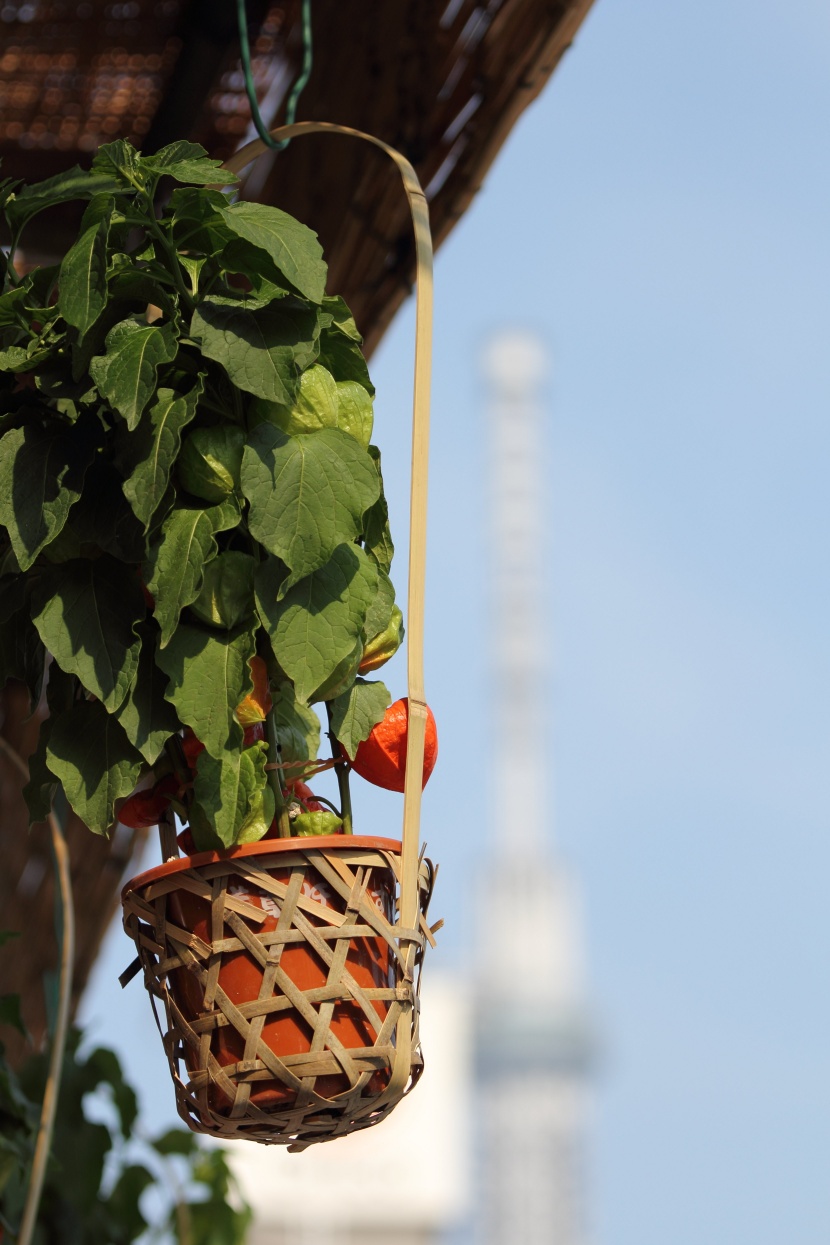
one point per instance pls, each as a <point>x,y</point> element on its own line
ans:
<point>288,969</point>
<point>291,1006</point>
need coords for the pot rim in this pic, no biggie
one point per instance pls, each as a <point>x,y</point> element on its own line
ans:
<point>263,847</point>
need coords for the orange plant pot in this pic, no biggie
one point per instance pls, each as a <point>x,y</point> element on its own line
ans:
<point>283,982</point>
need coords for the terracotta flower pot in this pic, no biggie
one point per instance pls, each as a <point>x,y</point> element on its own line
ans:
<point>283,981</point>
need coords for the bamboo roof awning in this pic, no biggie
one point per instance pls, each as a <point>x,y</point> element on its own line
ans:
<point>444,81</point>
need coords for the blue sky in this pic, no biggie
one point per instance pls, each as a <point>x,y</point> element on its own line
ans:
<point>659,219</point>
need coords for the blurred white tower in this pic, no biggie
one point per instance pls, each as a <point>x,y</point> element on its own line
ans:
<point>533,1045</point>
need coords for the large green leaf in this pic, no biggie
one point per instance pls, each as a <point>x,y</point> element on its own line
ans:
<point>318,621</point>
<point>126,373</point>
<point>292,246</point>
<point>198,223</point>
<point>355,712</point>
<point>377,536</point>
<point>75,183</point>
<point>83,280</point>
<point>339,319</point>
<point>90,753</point>
<point>307,493</point>
<point>340,344</point>
<point>263,350</point>
<point>209,676</point>
<point>380,611</point>
<point>175,567</point>
<point>120,159</point>
<point>153,448</point>
<point>147,717</point>
<point>41,477</point>
<point>188,162</point>
<point>232,798</point>
<point>86,612</point>
<point>298,727</point>
<point>342,677</point>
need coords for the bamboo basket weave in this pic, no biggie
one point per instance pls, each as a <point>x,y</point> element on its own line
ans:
<point>289,969</point>
<point>282,976</point>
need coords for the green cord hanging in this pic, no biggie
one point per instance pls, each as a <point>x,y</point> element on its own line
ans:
<point>296,90</point>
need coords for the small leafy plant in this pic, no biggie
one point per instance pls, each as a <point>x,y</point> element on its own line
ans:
<point>98,1173</point>
<point>194,540</point>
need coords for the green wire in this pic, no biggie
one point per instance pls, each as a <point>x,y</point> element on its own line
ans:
<point>296,90</point>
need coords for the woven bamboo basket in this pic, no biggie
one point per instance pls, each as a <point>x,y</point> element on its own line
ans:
<point>288,970</point>
<point>280,970</point>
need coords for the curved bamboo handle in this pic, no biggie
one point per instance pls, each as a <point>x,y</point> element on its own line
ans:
<point>409,907</point>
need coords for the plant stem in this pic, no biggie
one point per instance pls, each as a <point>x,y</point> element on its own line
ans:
<point>152,227</point>
<point>341,769</point>
<point>283,822</point>
<point>67,952</point>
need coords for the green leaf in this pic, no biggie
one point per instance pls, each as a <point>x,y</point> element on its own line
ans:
<point>227,595</point>
<point>175,566</point>
<point>263,350</point>
<point>86,612</point>
<point>267,282</point>
<point>354,412</point>
<point>124,1201</point>
<point>83,279</point>
<point>342,677</point>
<point>154,447</point>
<point>355,712</point>
<point>377,536</point>
<point>209,676</point>
<point>198,223</point>
<point>318,822</point>
<point>103,519</point>
<point>318,621</point>
<point>175,1141</point>
<point>121,159</point>
<point>23,358</point>
<point>41,477</point>
<point>126,373</point>
<point>147,717</point>
<point>91,755</point>
<point>298,727</point>
<point>233,800</point>
<point>188,162</point>
<point>292,246</point>
<point>340,352</point>
<point>378,615</point>
<point>339,318</point>
<point>104,1066</point>
<point>75,183</point>
<point>193,265</point>
<point>13,305</point>
<point>307,494</point>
